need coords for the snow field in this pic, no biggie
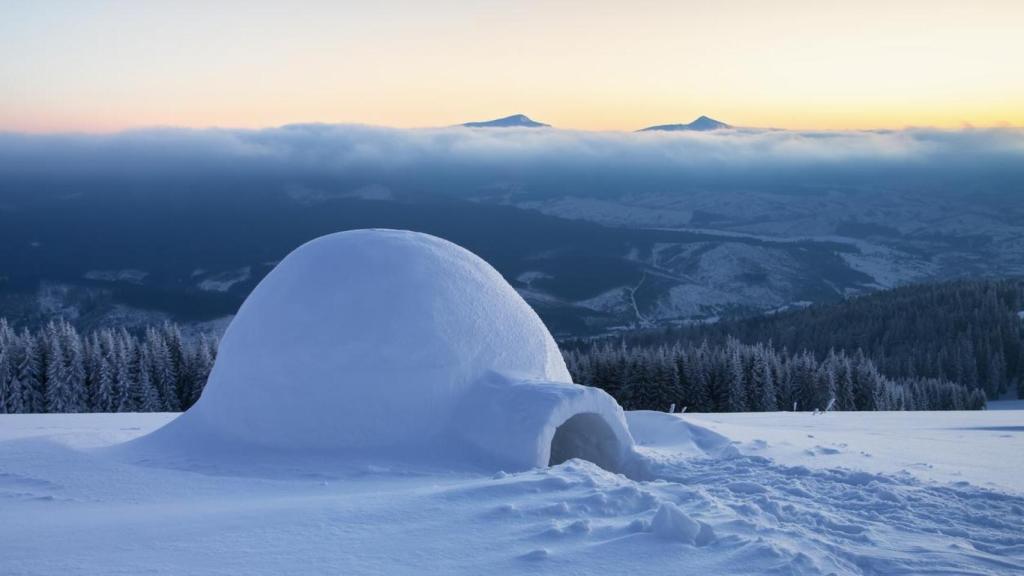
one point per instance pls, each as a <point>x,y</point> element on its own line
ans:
<point>986,450</point>
<point>385,403</point>
<point>704,503</point>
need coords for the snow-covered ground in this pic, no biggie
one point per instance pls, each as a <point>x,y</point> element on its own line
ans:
<point>985,449</point>
<point>364,416</point>
<point>853,493</point>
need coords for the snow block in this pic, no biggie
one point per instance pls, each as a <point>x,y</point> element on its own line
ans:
<point>671,523</point>
<point>395,342</point>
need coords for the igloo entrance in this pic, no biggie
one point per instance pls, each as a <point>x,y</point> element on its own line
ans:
<point>586,436</point>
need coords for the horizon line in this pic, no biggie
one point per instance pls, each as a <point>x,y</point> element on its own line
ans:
<point>731,128</point>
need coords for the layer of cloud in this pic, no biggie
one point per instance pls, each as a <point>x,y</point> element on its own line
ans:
<point>546,160</point>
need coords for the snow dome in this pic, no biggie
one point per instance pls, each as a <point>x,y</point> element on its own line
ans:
<point>398,342</point>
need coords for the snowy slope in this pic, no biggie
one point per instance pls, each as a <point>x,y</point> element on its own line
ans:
<point>704,504</point>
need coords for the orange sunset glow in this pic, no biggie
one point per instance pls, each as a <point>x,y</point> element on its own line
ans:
<point>106,66</point>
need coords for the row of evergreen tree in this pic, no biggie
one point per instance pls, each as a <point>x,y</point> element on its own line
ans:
<point>969,332</point>
<point>736,377</point>
<point>56,369</point>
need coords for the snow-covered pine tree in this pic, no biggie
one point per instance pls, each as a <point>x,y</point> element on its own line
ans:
<point>865,380</point>
<point>696,371</point>
<point>16,399</point>
<point>825,391</point>
<point>638,392</point>
<point>145,396</point>
<point>93,362</point>
<point>124,347</point>
<point>104,398</point>
<point>31,368</point>
<point>806,383</point>
<point>164,375</point>
<point>179,368</point>
<point>74,368</point>
<point>736,396</point>
<point>8,351</point>
<point>977,400</point>
<point>202,363</point>
<point>7,345</point>
<point>6,377</point>
<point>843,380</point>
<point>666,381</point>
<point>10,386</point>
<point>58,391</point>
<point>762,383</point>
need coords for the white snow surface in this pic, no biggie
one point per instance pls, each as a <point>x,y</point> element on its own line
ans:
<point>982,449</point>
<point>393,344</point>
<point>758,502</point>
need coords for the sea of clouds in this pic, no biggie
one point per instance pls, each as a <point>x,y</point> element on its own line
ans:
<point>464,157</point>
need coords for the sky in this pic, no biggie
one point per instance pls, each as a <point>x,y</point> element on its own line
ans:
<point>97,66</point>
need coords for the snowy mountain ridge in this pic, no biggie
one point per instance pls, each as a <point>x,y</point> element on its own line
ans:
<point>701,124</point>
<point>513,121</point>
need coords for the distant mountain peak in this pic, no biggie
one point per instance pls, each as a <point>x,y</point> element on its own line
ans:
<point>701,124</point>
<point>513,121</point>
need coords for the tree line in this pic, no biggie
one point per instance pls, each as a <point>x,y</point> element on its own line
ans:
<point>928,347</point>
<point>737,377</point>
<point>56,369</point>
<point>969,332</point>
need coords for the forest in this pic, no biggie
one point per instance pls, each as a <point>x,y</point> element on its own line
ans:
<point>56,369</point>
<point>968,332</point>
<point>736,377</point>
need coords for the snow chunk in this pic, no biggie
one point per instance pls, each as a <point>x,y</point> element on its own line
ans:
<point>671,523</point>
<point>385,341</point>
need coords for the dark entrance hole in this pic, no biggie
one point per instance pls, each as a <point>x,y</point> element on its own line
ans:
<point>589,437</point>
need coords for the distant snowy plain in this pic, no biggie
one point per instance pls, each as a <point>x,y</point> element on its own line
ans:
<point>779,493</point>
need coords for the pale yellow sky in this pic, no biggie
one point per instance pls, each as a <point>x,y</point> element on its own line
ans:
<point>100,66</point>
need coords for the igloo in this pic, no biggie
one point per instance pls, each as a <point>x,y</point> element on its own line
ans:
<point>394,342</point>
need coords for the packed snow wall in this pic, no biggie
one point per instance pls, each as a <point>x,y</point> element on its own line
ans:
<point>398,342</point>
